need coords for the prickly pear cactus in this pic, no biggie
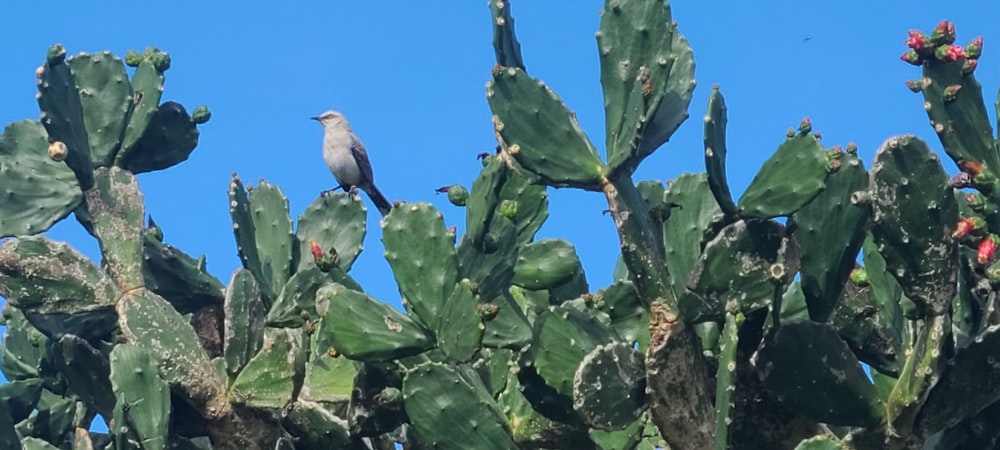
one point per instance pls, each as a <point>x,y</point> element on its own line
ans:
<point>732,323</point>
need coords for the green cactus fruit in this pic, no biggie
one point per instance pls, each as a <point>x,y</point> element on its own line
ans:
<point>460,330</point>
<point>272,235</point>
<point>961,122</point>
<point>684,229</point>
<point>316,427</point>
<point>148,321</point>
<point>858,320</point>
<point>647,72</point>
<point>537,131</point>
<point>788,180</point>
<point>460,406</point>
<point>457,194</point>
<point>725,377</point>
<point>106,98</point>
<point>169,139</point>
<point>275,374</point>
<point>142,394</point>
<point>609,386</point>
<point>715,152</point>
<point>753,283</point>
<point>830,230</point>
<point>629,317</point>
<point>329,376</point>
<point>335,221</point>
<point>59,289</point>
<point>201,115</point>
<point>505,45</point>
<point>86,371</point>
<point>545,264</point>
<point>147,83</point>
<point>925,362</point>
<point>62,114</point>
<point>563,337</point>
<point>177,277</point>
<point>244,321</point>
<point>966,387</point>
<point>364,329</point>
<point>37,191</point>
<point>24,347</point>
<point>421,252</point>
<point>803,356</point>
<point>117,212</point>
<point>532,205</point>
<point>914,215</point>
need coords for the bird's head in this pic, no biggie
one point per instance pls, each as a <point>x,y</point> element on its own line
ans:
<point>331,119</point>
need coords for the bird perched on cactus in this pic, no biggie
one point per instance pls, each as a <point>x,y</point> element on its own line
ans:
<point>347,159</point>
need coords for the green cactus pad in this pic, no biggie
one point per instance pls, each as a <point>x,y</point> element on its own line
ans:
<point>505,44</point>
<point>803,356</point>
<point>545,264</point>
<point>59,290</point>
<point>273,235</point>
<point>609,386</point>
<point>169,139</point>
<point>37,191</point>
<point>271,379</point>
<point>490,270</point>
<point>335,221</point>
<point>888,294</point>
<point>743,264</point>
<point>529,427</point>
<point>563,338</point>
<point>532,205</point>
<point>421,252</point>
<point>859,321</point>
<point>725,377</point>
<point>147,83</point>
<point>715,151</point>
<point>629,317</point>
<point>538,131</point>
<point>442,404</point>
<point>55,419</point>
<point>509,329</point>
<point>925,361</point>
<point>793,303</point>
<point>141,393</point>
<point>484,199</point>
<point>960,121</point>
<point>62,116</point>
<point>647,71</point>
<point>316,427</point>
<point>117,212</point>
<point>683,230</point>
<point>297,301</point>
<point>329,376</point>
<point>244,321</point>
<point>178,278</point>
<point>830,231</point>
<point>148,321</point>
<point>106,98</point>
<point>246,235</point>
<point>460,331</point>
<point>788,180</point>
<point>86,371</point>
<point>364,329</point>
<point>18,399</point>
<point>915,213</point>
<point>966,387</point>
<point>23,348</point>
<point>819,443</point>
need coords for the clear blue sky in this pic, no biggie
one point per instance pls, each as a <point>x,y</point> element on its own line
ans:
<point>410,77</point>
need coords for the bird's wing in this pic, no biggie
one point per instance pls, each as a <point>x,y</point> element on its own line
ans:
<point>361,156</point>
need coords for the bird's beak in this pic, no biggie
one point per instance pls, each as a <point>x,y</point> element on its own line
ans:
<point>316,118</point>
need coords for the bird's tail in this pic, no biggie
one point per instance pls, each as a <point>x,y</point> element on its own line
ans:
<point>383,204</point>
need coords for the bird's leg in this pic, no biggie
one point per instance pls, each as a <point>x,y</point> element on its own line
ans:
<point>329,191</point>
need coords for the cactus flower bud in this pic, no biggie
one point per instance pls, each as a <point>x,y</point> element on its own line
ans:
<point>949,53</point>
<point>969,66</point>
<point>324,261</point>
<point>914,86</point>
<point>917,40</point>
<point>912,57</point>
<point>201,115</point>
<point>133,58</point>
<point>943,34</point>
<point>975,48</point>
<point>488,311</point>
<point>58,151</point>
<point>852,148</point>
<point>56,54</point>
<point>973,168</point>
<point>951,92</point>
<point>160,60</point>
<point>961,180</point>
<point>806,126</point>
<point>860,276</point>
<point>993,275</point>
<point>508,208</point>
<point>987,249</point>
<point>317,252</point>
<point>969,225</point>
<point>153,231</point>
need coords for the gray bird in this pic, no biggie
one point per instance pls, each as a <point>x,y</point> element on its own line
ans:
<point>347,159</point>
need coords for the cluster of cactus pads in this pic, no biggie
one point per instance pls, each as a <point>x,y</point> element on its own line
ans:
<point>730,324</point>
